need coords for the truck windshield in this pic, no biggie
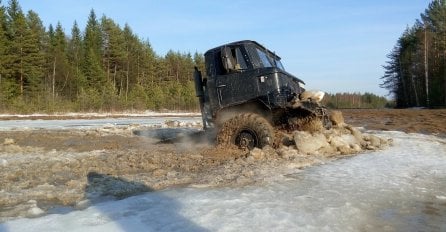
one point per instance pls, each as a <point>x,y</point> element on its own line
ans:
<point>279,64</point>
<point>269,60</point>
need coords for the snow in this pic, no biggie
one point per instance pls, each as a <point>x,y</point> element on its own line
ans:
<point>402,188</point>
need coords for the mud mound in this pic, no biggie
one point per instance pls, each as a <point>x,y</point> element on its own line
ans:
<point>337,141</point>
<point>310,124</point>
<point>336,118</point>
<point>342,139</point>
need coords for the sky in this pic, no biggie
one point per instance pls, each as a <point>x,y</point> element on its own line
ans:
<point>334,46</point>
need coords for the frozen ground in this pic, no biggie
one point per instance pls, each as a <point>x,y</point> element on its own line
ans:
<point>402,188</point>
<point>98,115</point>
<point>149,121</point>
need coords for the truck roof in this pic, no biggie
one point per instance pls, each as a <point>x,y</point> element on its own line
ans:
<point>245,42</point>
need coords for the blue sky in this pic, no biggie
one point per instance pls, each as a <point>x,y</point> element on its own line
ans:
<point>334,46</point>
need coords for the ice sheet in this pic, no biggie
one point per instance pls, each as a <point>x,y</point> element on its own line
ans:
<point>402,188</point>
<point>89,123</point>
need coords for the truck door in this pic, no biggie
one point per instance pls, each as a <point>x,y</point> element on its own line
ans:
<point>235,85</point>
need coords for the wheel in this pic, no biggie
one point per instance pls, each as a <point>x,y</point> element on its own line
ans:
<point>246,131</point>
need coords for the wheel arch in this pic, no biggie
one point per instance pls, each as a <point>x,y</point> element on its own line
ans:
<point>255,107</point>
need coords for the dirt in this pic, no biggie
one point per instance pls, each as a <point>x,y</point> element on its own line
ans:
<point>41,169</point>
<point>425,121</point>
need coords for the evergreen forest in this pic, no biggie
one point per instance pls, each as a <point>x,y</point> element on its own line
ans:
<point>415,73</point>
<point>356,101</point>
<point>105,67</point>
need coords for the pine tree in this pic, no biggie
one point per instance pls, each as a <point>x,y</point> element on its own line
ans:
<point>113,49</point>
<point>392,79</point>
<point>416,72</point>
<point>130,40</point>
<point>3,43</point>
<point>92,65</point>
<point>148,63</point>
<point>34,58</point>
<point>434,19</point>
<point>63,80</point>
<point>5,83</point>
<point>25,57</point>
<point>17,32</point>
<point>75,56</point>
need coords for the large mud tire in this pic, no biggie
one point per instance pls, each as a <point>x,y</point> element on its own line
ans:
<point>246,131</point>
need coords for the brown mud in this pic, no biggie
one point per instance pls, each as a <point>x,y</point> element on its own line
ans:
<point>425,121</point>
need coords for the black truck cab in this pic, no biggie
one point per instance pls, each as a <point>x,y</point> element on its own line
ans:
<point>245,70</point>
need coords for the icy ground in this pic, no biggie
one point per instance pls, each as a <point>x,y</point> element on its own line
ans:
<point>91,123</point>
<point>402,188</point>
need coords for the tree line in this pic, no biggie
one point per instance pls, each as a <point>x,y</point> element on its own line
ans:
<point>106,67</point>
<point>415,73</point>
<point>355,101</point>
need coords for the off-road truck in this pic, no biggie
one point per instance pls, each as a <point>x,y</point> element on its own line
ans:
<point>246,95</point>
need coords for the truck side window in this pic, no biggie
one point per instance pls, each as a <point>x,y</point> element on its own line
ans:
<point>241,63</point>
<point>233,59</point>
<point>215,66</point>
<point>228,60</point>
<point>264,58</point>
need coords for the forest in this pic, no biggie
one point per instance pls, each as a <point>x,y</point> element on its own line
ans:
<point>356,101</point>
<point>104,67</point>
<point>415,73</point>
